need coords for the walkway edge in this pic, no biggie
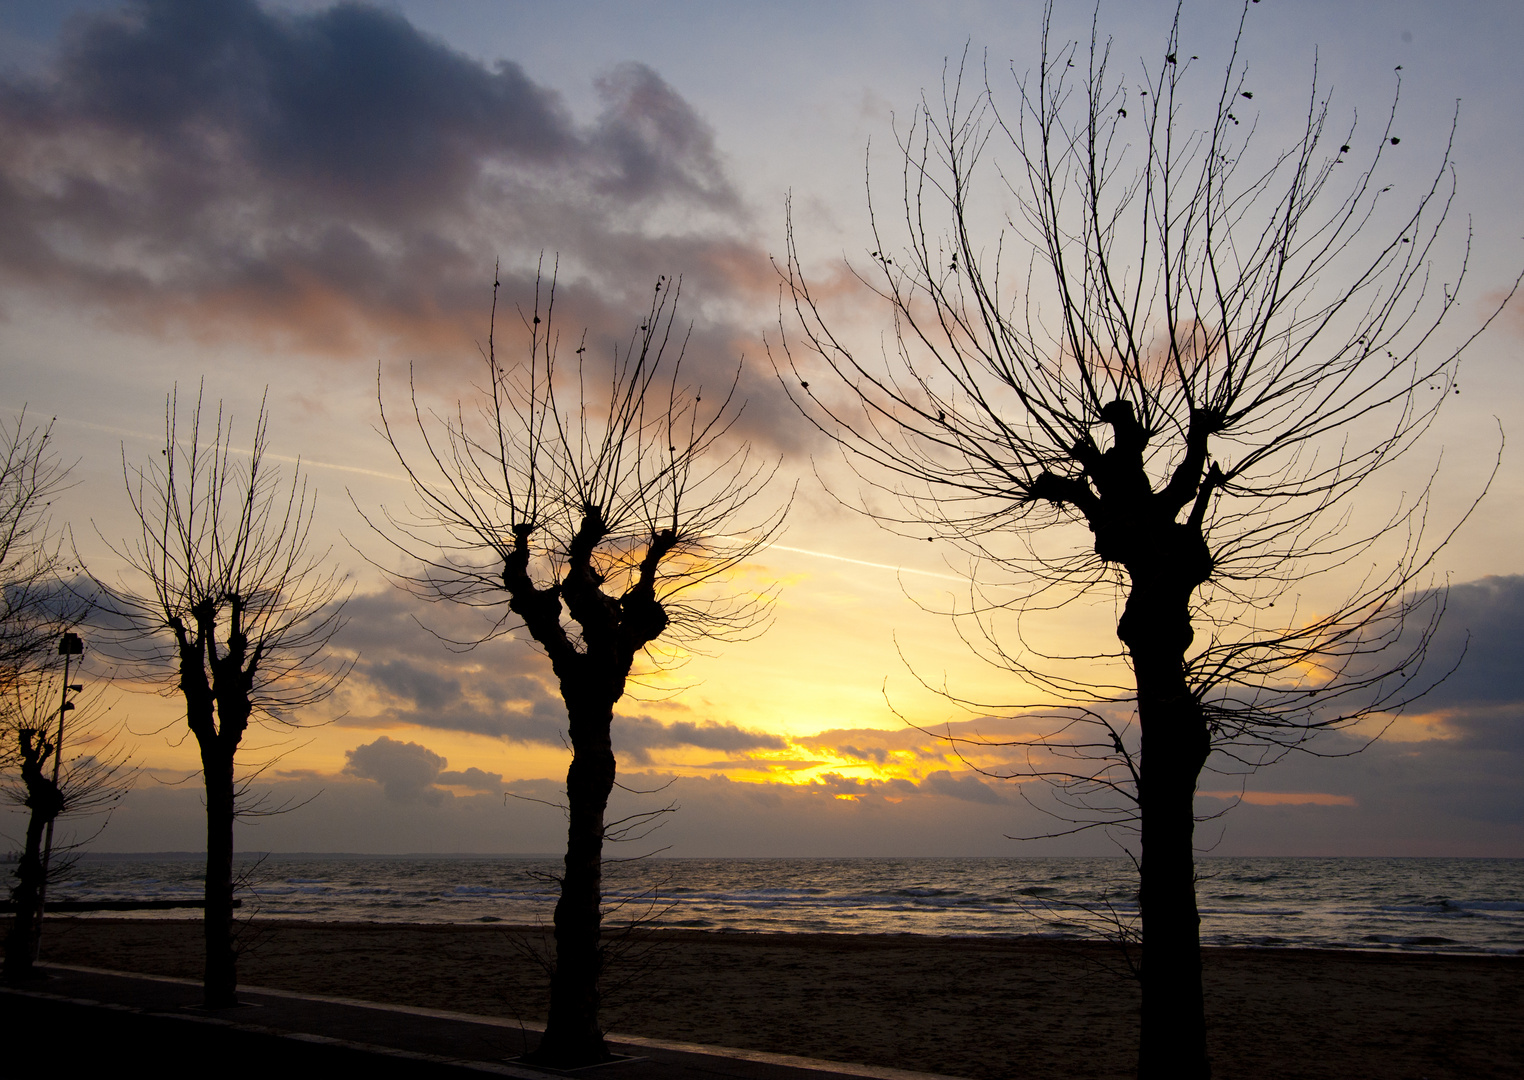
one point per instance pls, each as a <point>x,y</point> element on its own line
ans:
<point>871,1072</point>
<point>498,1068</point>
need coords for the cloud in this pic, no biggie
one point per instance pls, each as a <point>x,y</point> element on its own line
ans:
<point>405,674</point>
<point>872,753</point>
<point>406,771</point>
<point>1483,633</point>
<point>1445,781</point>
<point>473,779</point>
<point>966,787</point>
<point>657,142</point>
<point>942,783</point>
<point>1478,651</point>
<point>714,818</point>
<point>1513,313</point>
<point>636,736</point>
<point>349,106</point>
<point>336,177</point>
<point>427,689</point>
<point>1395,814</point>
<point>409,772</point>
<point>1280,798</point>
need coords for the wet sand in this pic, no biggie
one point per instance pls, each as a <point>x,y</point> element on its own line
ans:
<point>981,1008</point>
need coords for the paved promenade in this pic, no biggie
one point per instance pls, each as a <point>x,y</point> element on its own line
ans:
<point>104,1020</point>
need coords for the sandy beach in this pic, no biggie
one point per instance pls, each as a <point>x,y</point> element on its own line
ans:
<point>979,1008</point>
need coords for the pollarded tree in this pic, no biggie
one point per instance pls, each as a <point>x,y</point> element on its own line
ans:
<point>1197,353</point>
<point>605,507</point>
<point>225,603</point>
<point>85,777</point>
<point>37,606</point>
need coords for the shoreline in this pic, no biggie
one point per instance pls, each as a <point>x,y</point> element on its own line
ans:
<point>108,912</point>
<point>980,1007</point>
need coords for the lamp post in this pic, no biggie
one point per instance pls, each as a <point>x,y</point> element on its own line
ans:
<point>69,646</point>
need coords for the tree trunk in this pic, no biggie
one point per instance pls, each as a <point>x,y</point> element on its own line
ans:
<point>1156,628</point>
<point>573,1037</point>
<point>1173,1042</point>
<point>26,931</point>
<point>221,975</point>
<point>45,801</point>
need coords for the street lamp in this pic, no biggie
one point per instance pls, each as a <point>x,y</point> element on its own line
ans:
<point>69,646</point>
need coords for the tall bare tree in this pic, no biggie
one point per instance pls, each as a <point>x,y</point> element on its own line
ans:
<point>1197,352</point>
<point>225,601</point>
<point>602,506</point>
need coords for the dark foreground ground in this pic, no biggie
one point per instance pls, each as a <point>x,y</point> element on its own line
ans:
<point>962,1007</point>
<point>63,1040</point>
<point>77,1021</point>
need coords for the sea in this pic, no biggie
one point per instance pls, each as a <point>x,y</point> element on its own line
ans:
<point>1416,904</point>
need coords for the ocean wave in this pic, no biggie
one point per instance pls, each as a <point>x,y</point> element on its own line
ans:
<point>1415,905</point>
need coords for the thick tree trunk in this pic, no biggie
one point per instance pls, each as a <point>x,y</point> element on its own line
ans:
<point>573,1037</point>
<point>26,932</point>
<point>1156,628</point>
<point>221,974</point>
<point>1173,1042</point>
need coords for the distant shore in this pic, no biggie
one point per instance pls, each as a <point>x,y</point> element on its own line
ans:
<point>975,1007</point>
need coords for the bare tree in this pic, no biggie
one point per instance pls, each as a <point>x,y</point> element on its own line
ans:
<point>601,507</point>
<point>38,776</point>
<point>1196,352</point>
<point>225,602</point>
<point>34,607</point>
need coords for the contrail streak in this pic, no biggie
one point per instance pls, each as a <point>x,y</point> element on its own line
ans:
<point>307,463</point>
<point>865,562</point>
<point>311,464</point>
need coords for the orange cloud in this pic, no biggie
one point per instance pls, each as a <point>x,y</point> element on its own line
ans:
<point>1513,314</point>
<point>1282,798</point>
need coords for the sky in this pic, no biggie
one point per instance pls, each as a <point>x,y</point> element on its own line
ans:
<point>297,203</point>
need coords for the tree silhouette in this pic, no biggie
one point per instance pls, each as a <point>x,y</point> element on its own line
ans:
<point>38,776</point>
<point>36,608</point>
<point>1197,353</point>
<point>224,602</point>
<point>602,507</point>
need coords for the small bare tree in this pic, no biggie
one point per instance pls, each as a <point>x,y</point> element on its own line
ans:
<point>36,608</point>
<point>601,506</point>
<point>226,604</point>
<point>1197,354</point>
<point>39,776</point>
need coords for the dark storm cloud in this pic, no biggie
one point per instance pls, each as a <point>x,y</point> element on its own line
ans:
<point>1455,792</point>
<point>333,174</point>
<point>1482,630</point>
<point>1479,705</point>
<point>350,104</point>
